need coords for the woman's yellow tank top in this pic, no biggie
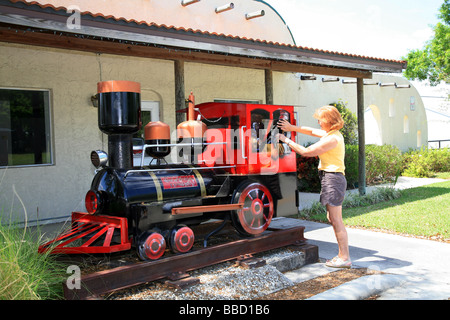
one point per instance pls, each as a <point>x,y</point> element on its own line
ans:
<point>333,160</point>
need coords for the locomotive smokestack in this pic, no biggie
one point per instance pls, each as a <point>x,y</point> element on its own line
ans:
<point>119,116</point>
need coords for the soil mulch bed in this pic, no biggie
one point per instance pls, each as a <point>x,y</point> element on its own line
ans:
<point>307,289</point>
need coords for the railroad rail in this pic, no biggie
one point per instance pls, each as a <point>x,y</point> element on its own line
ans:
<point>278,235</point>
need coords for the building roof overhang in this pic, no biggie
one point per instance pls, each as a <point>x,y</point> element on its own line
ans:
<point>43,25</point>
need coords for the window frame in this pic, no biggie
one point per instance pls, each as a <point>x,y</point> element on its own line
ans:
<point>49,128</point>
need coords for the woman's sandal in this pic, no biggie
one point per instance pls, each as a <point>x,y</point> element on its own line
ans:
<point>337,262</point>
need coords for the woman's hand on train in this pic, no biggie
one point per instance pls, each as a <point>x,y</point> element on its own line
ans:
<point>280,137</point>
<point>285,126</point>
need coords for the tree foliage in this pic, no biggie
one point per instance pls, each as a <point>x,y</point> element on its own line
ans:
<point>350,129</point>
<point>433,61</point>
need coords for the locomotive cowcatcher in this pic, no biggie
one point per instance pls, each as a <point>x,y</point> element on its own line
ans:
<point>225,165</point>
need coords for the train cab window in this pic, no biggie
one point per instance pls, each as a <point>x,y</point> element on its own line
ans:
<point>260,127</point>
<point>282,114</point>
<point>231,122</point>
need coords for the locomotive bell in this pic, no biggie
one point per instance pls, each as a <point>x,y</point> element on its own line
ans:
<point>157,133</point>
<point>191,129</point>
<point>191,132</point>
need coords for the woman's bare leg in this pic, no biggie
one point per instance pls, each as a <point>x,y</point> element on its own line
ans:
<point>334,215</point>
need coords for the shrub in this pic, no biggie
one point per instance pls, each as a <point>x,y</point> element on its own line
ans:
<point>351,165</point>
<point>383,163</point>
<point>308,178</point>
<point>426,162</point>
<point>378,195</point>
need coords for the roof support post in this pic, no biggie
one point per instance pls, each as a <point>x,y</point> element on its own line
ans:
<point>361,137</point>
<point>268,81</point>
<point>180,96</point>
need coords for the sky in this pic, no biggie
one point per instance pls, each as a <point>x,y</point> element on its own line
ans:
<point>383,28</point>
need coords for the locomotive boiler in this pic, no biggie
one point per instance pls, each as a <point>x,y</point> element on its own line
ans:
<point>224,165</point>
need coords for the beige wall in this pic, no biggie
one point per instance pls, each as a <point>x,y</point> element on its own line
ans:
<point>72,76</point>
<point>209,82</point>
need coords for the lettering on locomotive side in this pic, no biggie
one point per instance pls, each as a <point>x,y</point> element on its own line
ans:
<point>176,182</point>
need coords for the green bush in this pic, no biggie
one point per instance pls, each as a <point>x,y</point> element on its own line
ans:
<point>351,165</point>
<point>307,173</point>
<point>426,162</point>
<point>383,163</point>
<point>380,194</point>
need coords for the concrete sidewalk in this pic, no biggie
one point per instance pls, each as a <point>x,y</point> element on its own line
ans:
<point>417,268</point>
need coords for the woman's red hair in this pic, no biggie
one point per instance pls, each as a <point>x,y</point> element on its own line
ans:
<point>330,115</point>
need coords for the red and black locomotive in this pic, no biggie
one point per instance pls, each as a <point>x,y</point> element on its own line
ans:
<point>225,165</point>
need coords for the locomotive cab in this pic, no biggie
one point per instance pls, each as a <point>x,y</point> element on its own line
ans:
<point>251,152</point>
<point>247,130</point>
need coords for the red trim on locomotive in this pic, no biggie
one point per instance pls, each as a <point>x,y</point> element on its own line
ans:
<point>94,232</point>
<point>176,182</point>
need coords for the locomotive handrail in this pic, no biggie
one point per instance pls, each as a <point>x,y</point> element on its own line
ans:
<point>145,146</point>
<point>243,142</point>
<point>175,169</point>
<point>181,144</point>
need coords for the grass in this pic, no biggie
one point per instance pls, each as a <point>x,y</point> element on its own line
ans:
<point>422,211</point>
<point>442,175</point>
<point>24,273</point>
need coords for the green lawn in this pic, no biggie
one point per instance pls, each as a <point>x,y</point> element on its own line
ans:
<point>422,211</point>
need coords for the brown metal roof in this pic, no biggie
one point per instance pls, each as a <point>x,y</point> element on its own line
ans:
<point>96,26</point>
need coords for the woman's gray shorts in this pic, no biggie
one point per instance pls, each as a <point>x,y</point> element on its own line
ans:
<point>333,188</point>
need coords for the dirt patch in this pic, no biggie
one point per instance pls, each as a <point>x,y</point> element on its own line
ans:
<point>307,289</point>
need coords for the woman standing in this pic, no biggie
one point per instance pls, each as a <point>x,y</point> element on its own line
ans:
<point>331,151</point>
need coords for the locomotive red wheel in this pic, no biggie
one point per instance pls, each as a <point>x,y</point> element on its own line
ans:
<point>181,239</point>
<point>258,209</point>
<point>152,247</point>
